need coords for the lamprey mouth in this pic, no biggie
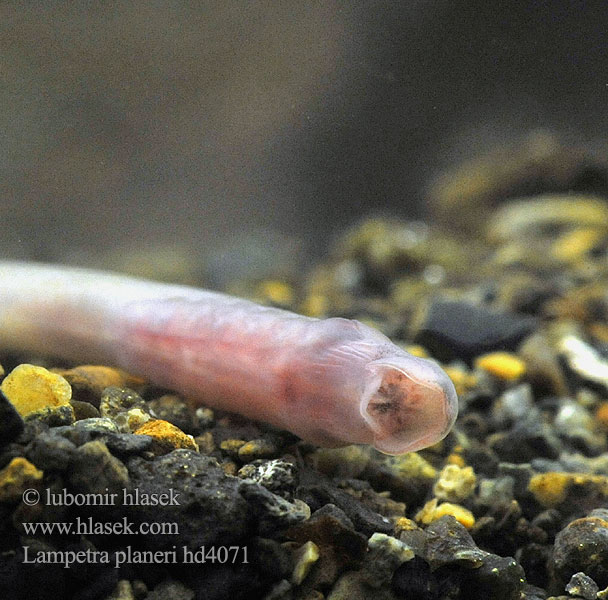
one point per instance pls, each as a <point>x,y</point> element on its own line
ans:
<point>408,412</point>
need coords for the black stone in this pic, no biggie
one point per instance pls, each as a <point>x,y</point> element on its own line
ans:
<point>11,424</point>
<point>50,452</point>
<point>210,510</point>
<point>364,520</point>
<point>458,329</point>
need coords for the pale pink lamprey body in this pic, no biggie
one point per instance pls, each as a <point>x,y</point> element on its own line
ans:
<point>331,382</point>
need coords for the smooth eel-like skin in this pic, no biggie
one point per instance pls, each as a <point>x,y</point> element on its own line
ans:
<point>330,381</point>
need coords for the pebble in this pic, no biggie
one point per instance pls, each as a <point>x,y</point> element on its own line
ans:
<point>575,423</point>
<point>89,381</point>
<point>277,476</point>
<point>582,546</point>
<point>11,424</point>
<point>171,589</point>
<point>455,483</point>
<point>461,330</point>
<point>584,360</point>
<point>514,405</point>
<point>330,527</point>
<point>19,475</point>
<point>272,513</point>
<point>50,452</point>
<point>447,543</point>
<point>559,489</point>
<point>94,470</point>
<point>530,217</point>
<point>174,409</point>
<point>304,557</point>
<point>582,586</point>
<point>122,591</point>
<point>433,511</point>
<point>205,417</point>
<point>166,437</point>
<point>210,510</point>
<point>385,555</point>
<point>33,389</point>
<point>529,438</point>
<point>115,400</point>
<point>504,365</point>
<point>132,419</point>
<point>256,449</point>
<point>364,520</point>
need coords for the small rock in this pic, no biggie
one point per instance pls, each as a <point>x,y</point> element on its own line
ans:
<point>11,424</point>
<point>386,554</point>
<point>210,510</point>
<point>50,452</point>
<point>582,546</point>
<point>256,449</point>
<point>273,513</point>
<point>558,489</point>
<point>132,419</point>
<point>305,556</point>
<point>94,470</point>
<point>514,405</point>
<point>276,475</point>
<point>205,417</point>
<point>455,483</point>
<point>173,409</point>
<point>123,591</point>
<point>125,444</point>
<point>84,410</point>
<point>166,437</point>
<point>89,381</point>
<point>115,400</point>
<point>582,586</point>
<point>528,439</point>
<point>281,591</point>
<point>432,511</point>
<point>504,365</point>
<point>330,527</point>
<point>18,476</point>
<point>53,416</point>
<point>31,389</point>
<point>461,330</point>
<point>170,589</point>
<point>364,520</point>
<point>584,360</point>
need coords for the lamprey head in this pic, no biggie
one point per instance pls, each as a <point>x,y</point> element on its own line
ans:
<point>408,402</point>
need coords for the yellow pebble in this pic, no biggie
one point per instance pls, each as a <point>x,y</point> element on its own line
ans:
<point>503,365</point>
<point>455,483</point>
<point>404,524</point>
<point>551,489</point>
<point>19,475</point>
<point>431,511</point>
<point>419,351</point>
<point>410,465</point>
<point>575,244</point>
<point>276,291</point>
<point>463,381</point>
<point>304,558</point>
<point>167,436</point>
<point>315,305</point>
<point>98,377</point>
<point>232,446</point>
<point>2,371</point>
<point>31,388</point>
<point>456,459</point>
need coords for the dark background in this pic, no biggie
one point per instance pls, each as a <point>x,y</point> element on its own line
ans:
<point>146,125</point>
